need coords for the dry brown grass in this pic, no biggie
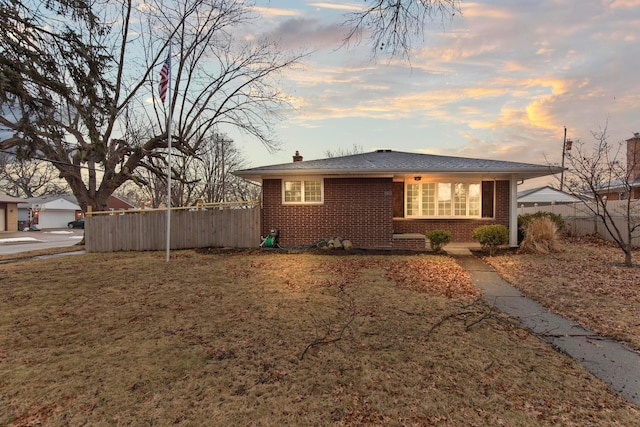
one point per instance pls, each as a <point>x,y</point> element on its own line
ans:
<point>40,252</point>
<point>541,237</point>
<point>217,339</point>
<point>587,282</point>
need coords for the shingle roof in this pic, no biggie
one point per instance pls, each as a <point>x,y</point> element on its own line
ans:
<point>61,201</point>
<point>618,184</point>
<point>5,198</point>
<point>545,194</point>
<point>397,162</point>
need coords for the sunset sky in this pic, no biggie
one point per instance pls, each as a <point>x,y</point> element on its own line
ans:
<point>500,81</point>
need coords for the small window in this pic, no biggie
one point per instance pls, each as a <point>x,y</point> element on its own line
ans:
<point>307,191</point>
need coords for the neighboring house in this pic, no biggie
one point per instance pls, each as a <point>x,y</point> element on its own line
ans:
<point>116,203</point>
<point>58,210</point>
<point>9,212</point>
<point>48,212</point>
<point>544,196</point>
<point>621,190</point>
<point>389,199</point>
<point>629,187</point>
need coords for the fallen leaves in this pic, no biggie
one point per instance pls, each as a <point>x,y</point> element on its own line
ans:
<point>441,278</point>
<point>215,338</point>
<point>586,283</point>
<point>438,276</point>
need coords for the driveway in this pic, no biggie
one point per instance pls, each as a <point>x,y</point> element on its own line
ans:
<point>23,241</point>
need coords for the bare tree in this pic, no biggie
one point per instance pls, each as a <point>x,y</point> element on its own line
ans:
<point>29,178</point>
<point>203,177</point>
<point>152,188</point>
<point>598,174</point>
<point>133,194</point>
<point>243,190</point>
<point>390,25</point>
<point>355,149</point>
<point>78,78</point>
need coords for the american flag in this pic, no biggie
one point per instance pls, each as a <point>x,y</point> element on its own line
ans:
<point>164,78</point>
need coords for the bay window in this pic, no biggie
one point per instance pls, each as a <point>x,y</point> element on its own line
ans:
<point>443,199</point>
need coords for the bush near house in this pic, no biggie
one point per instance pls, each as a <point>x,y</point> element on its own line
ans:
<point>491,236</point>
<point>526,219</point>
<point>541,237</point>
<point>438,238</point>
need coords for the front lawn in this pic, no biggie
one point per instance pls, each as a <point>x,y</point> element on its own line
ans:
<point>586,282</point>
<point>271,339</point>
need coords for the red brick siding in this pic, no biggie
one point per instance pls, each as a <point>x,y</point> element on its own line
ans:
<point>115,203</point>
<point>413,244</point>
<point>633,158</point>
<point>461,229</point>
<point>502,203</point>
<point>358,209</point>
<point>361,210</point>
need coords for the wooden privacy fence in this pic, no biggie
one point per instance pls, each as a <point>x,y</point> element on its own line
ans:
<point>580,221</point>
<point>220,225</point>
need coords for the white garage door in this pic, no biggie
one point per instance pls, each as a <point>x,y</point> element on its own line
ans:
<point>2,221</point>
<point>55,219</point>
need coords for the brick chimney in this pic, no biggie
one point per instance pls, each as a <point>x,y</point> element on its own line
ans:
<point>297,157</point>
<point>633,156</point>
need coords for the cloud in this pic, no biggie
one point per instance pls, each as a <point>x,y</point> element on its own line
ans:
<point>500,81</point>
<point>485,11</point>
<point>338,6</point>
<point>624,4</point>
<point>296,33</point>
<point>275,12</point>
<point>340,93</point>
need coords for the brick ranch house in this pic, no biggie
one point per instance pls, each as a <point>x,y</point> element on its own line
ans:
<point>389,199</point>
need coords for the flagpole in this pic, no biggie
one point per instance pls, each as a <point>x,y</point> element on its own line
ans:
<point>564,149</point>
<point>169,120</point>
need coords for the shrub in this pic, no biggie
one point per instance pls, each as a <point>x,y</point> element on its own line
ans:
<point>525,220</point>
<point>541,237</point>
<point>438,238</point>
<point>491,236</point>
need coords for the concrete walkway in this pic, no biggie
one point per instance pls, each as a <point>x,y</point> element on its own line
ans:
<point>612,362</point>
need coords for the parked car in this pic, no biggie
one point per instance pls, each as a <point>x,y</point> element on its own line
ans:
<point>78,223</point>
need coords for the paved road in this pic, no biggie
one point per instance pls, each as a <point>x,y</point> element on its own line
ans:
<point>23,241</point>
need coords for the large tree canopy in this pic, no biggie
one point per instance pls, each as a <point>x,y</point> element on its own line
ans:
<point>78,84</point>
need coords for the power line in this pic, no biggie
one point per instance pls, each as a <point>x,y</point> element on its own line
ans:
<point>54,161</point>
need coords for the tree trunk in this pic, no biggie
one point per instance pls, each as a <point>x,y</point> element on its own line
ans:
<point>628,261</point>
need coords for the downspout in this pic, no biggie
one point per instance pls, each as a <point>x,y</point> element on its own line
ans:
<point>513,211</point>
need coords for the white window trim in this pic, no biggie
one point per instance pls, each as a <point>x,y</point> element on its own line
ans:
<point>302,180</point>
<point>452,182</point>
